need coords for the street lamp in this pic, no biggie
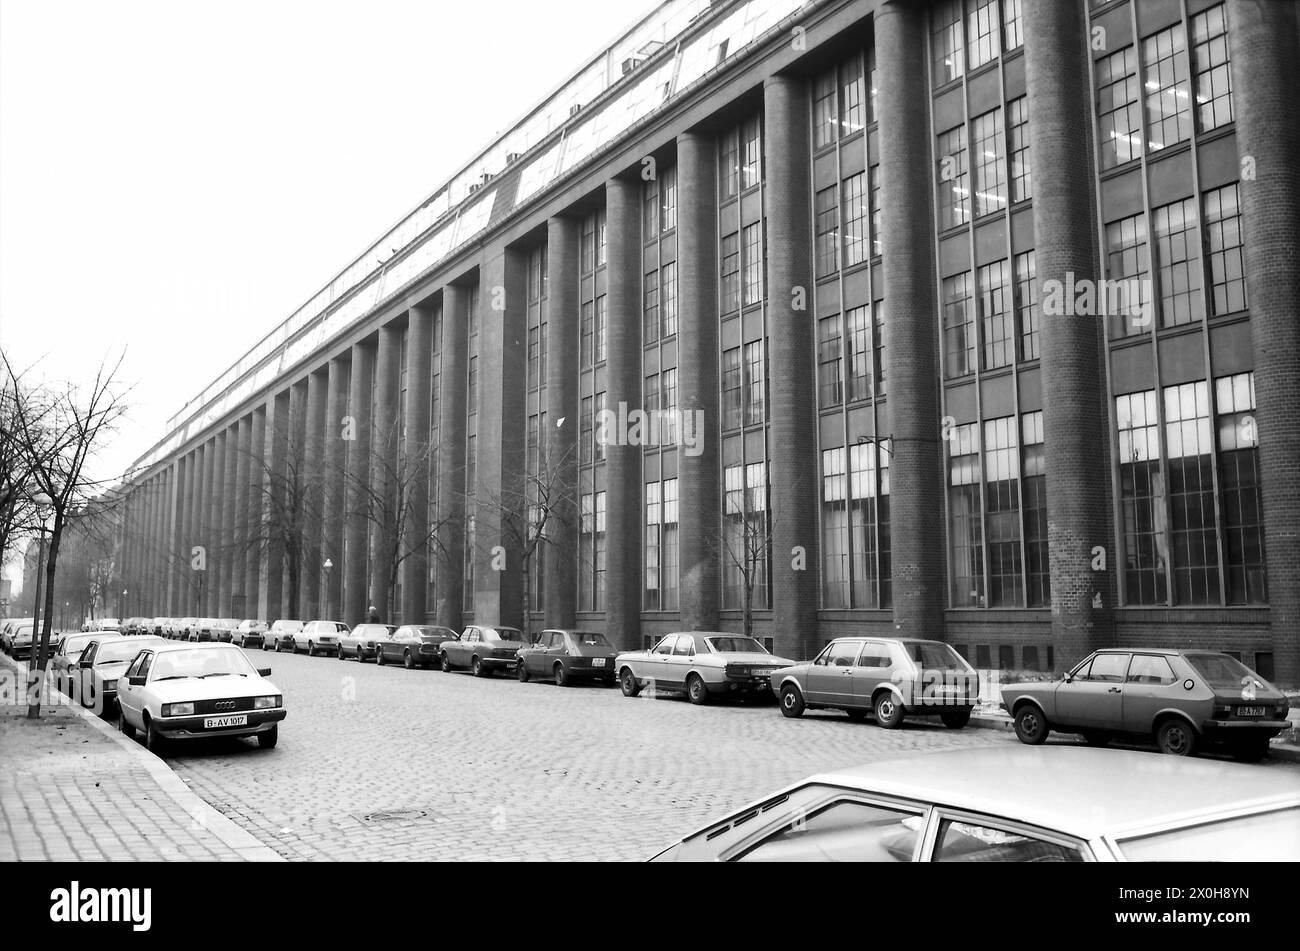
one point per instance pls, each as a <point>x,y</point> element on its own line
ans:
<point>329,608</point>
<point>123,609</point>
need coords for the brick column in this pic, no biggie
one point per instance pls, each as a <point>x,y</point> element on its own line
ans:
<point>794,474</point>
<point>255,515</point>
<point>500,500</point>
<point>623,511</point>
<point>230,460</point>
<point>415,569</point>
<point>697,378</point>
<point>239,523</point>
<point>211,507</point>
<point>1074,396</point>
<point>196,530</point>
<point>385,469</point>
<point>277,442</point>
<point>183,539</point>
<point>333,495</point>
<point>313,485</point>
<point>1265,47</point>
<point>560,441</point>
<point>449,569</point>
<point>356,593</point>
<point>912,345</point>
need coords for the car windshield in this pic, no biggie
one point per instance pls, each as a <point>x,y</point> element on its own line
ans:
<point>200,663</point>
<point>735,643</point>
<point>75,645</point>
<point>935,656</point>
<point>1220,670</point>
<point>590,639</point>
<point>442,632</point>
<point>1268,837</point>
<point>504,634</point>
<point>125,649</point>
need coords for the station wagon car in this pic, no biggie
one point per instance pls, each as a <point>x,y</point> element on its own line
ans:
<point>1177,698</point>
<point>568,656</point>
<point>702,663</point>
<point>280,637</point>
<point>363,640</point>
<point>999,805</point>
<point>413,644</point>
<point>482,650</point>
<point>175,691</point>
<point>318,637</point>
<point>889,676</point>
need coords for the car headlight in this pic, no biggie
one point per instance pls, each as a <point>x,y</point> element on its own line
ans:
<point>266,703</point>
<point>178,709</point>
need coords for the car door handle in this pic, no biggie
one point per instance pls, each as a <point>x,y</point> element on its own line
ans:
<point>1114,690</point>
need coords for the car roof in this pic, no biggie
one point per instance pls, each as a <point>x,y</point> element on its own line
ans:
<point>1166,651</point>
<point>1076,790</point>
<point>167,647</point>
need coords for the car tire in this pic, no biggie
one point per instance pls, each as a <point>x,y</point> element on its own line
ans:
<point>127,729</point>
<point>521,671</point>
<point>446,663</point>
<point>889,712</point>
<point>1031,725</point>
<point>792,704</point>
<point>1250,751</point>
<point>1176,737</point>
<point>1096,738</point>
<point>267,739</point>
<point>153,740</point>
<point>696,691</point>
<point>955,719</point>
<point>627,682</point>
<point>562,676</point>
<point>476,667</point>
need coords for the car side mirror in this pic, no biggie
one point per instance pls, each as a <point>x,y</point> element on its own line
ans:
<point>1067,678</point>
<point>135,681</point>
<point>264,671</point>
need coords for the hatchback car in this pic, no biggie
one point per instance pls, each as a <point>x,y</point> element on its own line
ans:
<point>363,640</point>
<point>889,676</point>
<point>100,666</point>
<point>413,644</point>
<point>703,664</point>
<point>1179,699</point>
<point>319,637</point>
<point>1000,805</point>
<point>250,633</point>
<point>567,657</point>
<point>482,649</point>
<point>63,665</point>
<point>280,636</point>
<point>179,692</point>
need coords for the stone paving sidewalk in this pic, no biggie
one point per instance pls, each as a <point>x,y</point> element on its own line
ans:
<point>74,789</point>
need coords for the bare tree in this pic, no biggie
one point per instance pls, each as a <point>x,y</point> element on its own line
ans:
<point>745,544</point>
<point>17,512</point>
<point>57,432</point>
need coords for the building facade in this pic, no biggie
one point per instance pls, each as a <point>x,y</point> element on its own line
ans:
<point>972,319</point>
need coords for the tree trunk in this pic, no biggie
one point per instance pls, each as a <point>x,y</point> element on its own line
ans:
<point>528,601</point>
<point>43,655</point>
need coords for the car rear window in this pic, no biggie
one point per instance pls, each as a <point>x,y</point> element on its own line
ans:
<point>935,657</point>
<point>1220,670</point>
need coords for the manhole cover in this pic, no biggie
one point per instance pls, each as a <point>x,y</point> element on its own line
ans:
<point>394,815</point>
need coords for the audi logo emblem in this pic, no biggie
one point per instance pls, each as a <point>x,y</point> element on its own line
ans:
<point>225,705</point>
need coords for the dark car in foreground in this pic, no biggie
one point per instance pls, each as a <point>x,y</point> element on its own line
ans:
<point>1178,699</point>
<point>482,649</point>
<point>568,656</point>
<point>892,677</point>
<point>413,645</point>
<point>1050,804</point>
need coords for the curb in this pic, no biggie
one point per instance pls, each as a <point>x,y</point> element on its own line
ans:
<point>242,842</point>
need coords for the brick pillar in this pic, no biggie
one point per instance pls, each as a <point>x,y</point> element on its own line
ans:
<point>415,568</point>
<point>356,593</point>
<point>623,511</point>
<point>912,345</point>
<point>277,446</point>
<point>332,490</point>
<point>501,510</point>
<point>697,378</point>
<point>560,441</point>
<point>794,475</point>
<point>449,550</point>
<point>211,504</point>
<point>195,531</point>
<point>230,462</point>
<point>1074,399</point>
<point>313,476</point>
<point>239,524</point>
<point>1265,47</point>
<point>181,573</point>
<point>385,469</point>
<point>255,516</point>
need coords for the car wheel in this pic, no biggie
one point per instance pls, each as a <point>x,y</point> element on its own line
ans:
<point>955,719</point>
<point>696,692</point>
<point>889,712</point>
<point>127,729</point>
<point>1176,737</point>
<point>627,681</point>
<point>1096,737</point>
<point>311,649</point>
<point>446,663</point>
<point>1031,726</point>
<point>561,676</point>
<point>521,671</point>
<point>153,740</point>
<point>408,660</point>
<point>1251,751</point>
<point>792,704</point>
<point>269,738</point>
<point>476,667</point>
<point>379,658</point>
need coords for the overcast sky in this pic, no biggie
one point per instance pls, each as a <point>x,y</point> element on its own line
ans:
<point>176,178</point>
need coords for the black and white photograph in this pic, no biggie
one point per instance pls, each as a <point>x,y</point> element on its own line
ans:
<point>658,431</point>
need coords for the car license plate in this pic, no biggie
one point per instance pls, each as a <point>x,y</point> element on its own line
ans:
<point>1250,711</point>
<point>220,723</point>
<point>598,662</point>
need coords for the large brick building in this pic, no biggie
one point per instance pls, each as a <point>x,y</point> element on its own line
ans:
<point>973,319</point>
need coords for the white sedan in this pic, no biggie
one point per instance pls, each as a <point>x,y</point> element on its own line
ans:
<point>178,691</point>
<point>704,664</point>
